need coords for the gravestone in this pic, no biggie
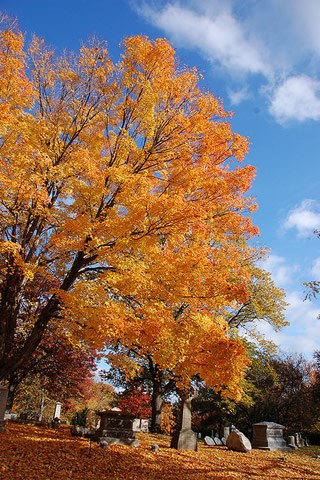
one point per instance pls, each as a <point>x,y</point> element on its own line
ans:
<point>155,448</point>
<point>92,421</point>
<point>115,427</point>
<point>299,440</point>
<point>217,441</point>
<point>238,442</point>
<point>225,432</point>
<point>269,436</point>
<point>184,438</point>
<point>141,425</point>
<point>209,441</point>
<point>291,442</point>
<point>55,422</point>
<point>57,410</point>
<point>3,404</point>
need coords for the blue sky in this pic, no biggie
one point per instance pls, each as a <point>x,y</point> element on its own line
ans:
<point>262,58</point>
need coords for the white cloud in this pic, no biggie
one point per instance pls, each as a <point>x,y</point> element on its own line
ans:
<point>218,37</point>
<point>305,218</point>
<point>281,273</point>
<point>298,98</point>
<point>305,18</point>
<point>238,96</point>
<point>303,333</point>
<point>316,268</point>
<point>275,41</point>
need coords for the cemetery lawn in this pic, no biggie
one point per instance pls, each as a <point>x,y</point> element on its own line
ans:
<point>28,452</point>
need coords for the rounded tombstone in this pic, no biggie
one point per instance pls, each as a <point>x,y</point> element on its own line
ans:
<point>217,441</point>
<point>209,441</point>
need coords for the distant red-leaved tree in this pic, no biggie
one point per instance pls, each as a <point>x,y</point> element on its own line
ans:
<point>136,402</point>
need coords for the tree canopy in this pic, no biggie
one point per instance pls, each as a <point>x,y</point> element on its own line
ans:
<point>123,205</point>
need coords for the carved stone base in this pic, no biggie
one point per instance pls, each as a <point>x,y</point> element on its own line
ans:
<point>184,440</point>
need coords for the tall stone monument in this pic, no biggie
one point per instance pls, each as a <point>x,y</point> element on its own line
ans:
<point>184,438</point>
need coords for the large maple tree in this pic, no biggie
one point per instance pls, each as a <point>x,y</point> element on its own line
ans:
<point>202,337</point>
<point>123,204</point>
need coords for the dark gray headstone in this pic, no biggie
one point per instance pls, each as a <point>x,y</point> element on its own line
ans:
<point>115,427</point>
<point>155,448</point>
<point>299,440</point>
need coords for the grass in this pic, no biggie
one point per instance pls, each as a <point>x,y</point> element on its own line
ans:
<point>38,453</point>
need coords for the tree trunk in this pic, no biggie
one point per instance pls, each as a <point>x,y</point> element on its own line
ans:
<point>156,404</point>
<point>10,399</point>
<point>11,365</point>
<point>10,362</point>
<point>159,389</point>
<point>13,384</point>
<point>42,404</point>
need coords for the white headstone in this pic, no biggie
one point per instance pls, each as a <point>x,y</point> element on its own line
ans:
<point>144,425</point>
<point>226,431</point>
<point>217,441</point>
<point>57,410</point>
<point>209,441</point>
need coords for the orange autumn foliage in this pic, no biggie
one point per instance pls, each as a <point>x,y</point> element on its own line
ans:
<point>123,200</point>
<point>38,453</point>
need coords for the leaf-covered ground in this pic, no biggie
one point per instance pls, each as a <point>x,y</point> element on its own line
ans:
<point>38,453</point>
